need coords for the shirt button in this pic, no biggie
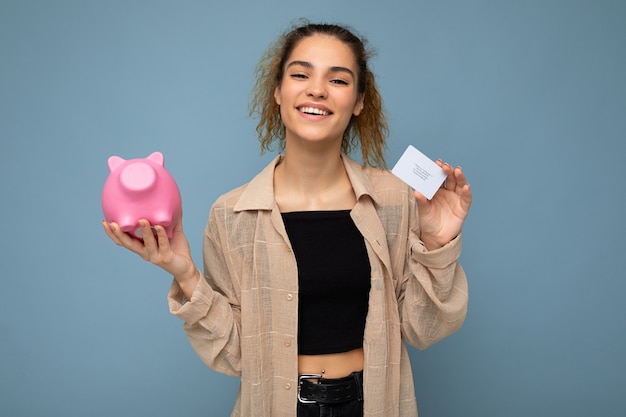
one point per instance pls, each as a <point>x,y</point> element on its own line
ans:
<point>289,297</point>
<point>287,386</point>
<point>287,342</point>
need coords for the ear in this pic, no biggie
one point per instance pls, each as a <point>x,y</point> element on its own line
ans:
<point>358,107</point>
<point>277,95</point>
<point>156,157</point>
<point>114,162</point>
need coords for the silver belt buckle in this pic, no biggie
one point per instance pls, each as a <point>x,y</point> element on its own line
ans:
<point>302,378</point>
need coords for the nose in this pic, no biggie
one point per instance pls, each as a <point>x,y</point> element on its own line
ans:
<point>317,89</point>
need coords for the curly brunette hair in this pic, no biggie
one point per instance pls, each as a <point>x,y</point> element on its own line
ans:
<point>368,131</point>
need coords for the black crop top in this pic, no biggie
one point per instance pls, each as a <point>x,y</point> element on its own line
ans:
<point>333,278</point>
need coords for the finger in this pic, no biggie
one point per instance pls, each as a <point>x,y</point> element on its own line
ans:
<point>450,180</point>
<point>178,227</point>
<point>128,241</point>
<point>122,237</point>
<point>466,197</point>
<point>422,201</point>
<point>460,179</point>
<point>447,168</point>
<point>162,239</point>
<point>109,232</point>
<point>147,234</point>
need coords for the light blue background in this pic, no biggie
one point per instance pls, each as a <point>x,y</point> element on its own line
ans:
<point>528,96</point>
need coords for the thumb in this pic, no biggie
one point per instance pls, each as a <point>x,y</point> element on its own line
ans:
<point>421,199</point>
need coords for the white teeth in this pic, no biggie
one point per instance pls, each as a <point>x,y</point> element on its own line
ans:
<point>313,110</point>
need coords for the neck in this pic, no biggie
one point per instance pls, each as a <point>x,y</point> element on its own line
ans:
<point>312,172</point>
<point>312,181</point>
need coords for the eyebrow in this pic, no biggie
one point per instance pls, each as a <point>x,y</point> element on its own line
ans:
<point>307,64</point>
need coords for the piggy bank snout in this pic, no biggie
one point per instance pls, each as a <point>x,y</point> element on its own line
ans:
<point>138,177</point>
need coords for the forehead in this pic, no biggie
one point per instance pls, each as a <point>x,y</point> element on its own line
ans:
<point>323,51</point>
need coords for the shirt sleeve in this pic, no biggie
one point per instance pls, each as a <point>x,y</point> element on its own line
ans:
<point>434,294</point>
<point>212,317</point>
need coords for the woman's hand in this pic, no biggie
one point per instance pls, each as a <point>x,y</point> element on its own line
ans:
<point>173,255</point>
<point>441,218</point>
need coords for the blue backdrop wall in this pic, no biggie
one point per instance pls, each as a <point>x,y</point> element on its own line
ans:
<point>528,96</point>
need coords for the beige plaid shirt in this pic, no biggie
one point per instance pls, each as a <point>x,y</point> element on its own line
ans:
<point>242,320</point>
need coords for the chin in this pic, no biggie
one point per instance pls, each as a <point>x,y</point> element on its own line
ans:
<point>317,137</point>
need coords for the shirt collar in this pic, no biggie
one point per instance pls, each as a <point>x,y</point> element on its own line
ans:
<point>259,193</point>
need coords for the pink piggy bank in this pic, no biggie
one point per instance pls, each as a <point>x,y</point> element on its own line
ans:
<point>141,189</point>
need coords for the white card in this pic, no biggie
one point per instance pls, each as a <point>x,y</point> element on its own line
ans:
<point>417,170</point>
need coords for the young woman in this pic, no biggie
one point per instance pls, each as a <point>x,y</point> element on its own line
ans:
<point>318,269</point>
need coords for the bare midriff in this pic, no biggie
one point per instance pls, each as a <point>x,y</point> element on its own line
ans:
<point>332,365</point>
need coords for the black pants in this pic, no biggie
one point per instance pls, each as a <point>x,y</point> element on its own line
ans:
<point>352,408</point>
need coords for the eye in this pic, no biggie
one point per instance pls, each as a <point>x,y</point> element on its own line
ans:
<point>339,81</point>
<point>298,76</point>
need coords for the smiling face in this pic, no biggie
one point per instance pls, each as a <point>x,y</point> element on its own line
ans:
<point>318,92</point>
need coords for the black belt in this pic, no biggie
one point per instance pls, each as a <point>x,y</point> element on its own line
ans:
<point>330,391</point>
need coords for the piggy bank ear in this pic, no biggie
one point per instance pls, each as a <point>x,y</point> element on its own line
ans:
<point>156,157</point>
<point>114,162</point>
